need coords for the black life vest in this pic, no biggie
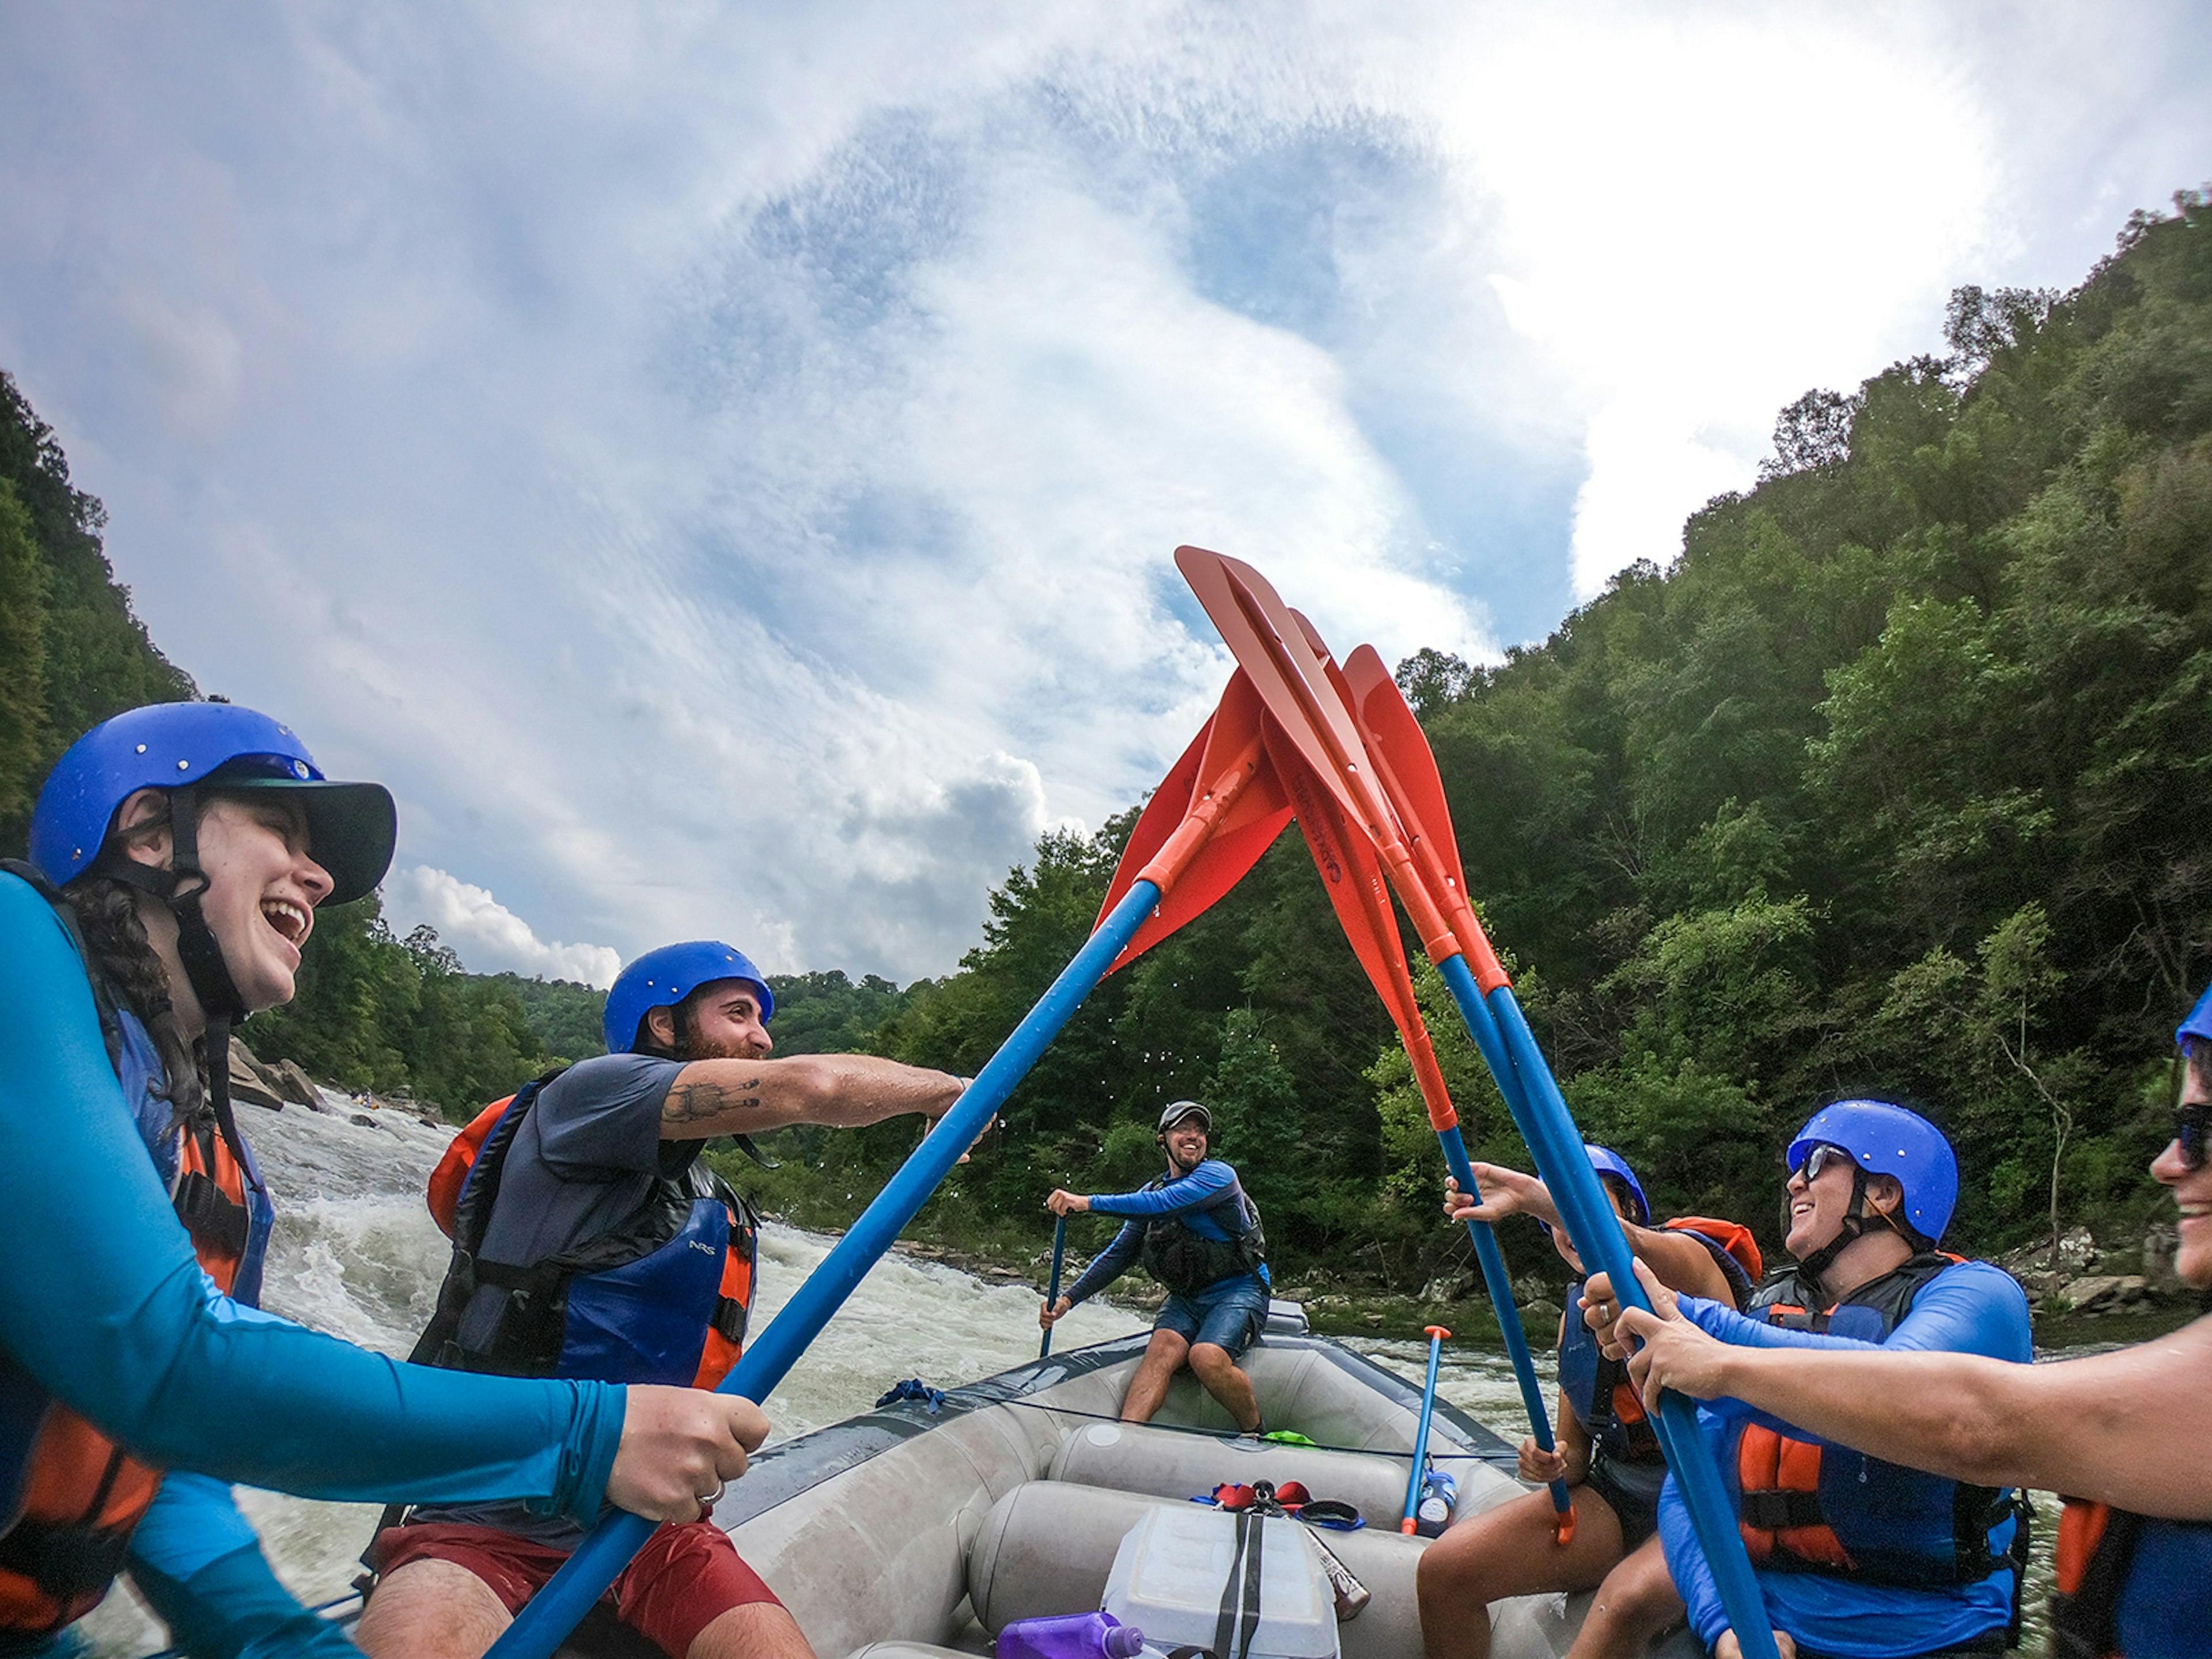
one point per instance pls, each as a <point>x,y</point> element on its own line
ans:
<point>1186,1261</point>
<point>74,1496</point>
<point>1807,1505</point>
<point>2100,1549</point>
<point>662,1297</point>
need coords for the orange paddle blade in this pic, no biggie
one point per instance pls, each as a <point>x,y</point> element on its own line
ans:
<point>1353,876</point>
<point>1220,807</point>
<point>1406,768</point>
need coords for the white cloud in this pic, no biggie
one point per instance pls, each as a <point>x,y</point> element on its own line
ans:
<point>486,935</point>
<point>721,468</point>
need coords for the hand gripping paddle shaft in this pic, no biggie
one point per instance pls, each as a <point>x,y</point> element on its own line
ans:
<point>1353,880</point>
<point>1230,760</point>
<point>1271,646</point>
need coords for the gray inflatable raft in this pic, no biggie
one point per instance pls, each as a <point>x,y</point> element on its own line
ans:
<point>909,1534</point>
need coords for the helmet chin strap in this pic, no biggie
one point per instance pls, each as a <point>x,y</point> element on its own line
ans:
<point>1814,1267</point>
<point>197,948</point>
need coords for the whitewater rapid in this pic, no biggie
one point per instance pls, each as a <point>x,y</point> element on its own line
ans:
<point>355,1254</point>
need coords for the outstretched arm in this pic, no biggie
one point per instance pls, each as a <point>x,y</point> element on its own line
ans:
<point>1681,1261</point>
<point>2132,1427</point>
<point>713,1097</point>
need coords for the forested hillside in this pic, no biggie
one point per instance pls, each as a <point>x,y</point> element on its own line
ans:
<point>1893,780</point>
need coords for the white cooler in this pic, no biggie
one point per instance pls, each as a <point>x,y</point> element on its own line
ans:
<point>1238,1586</point>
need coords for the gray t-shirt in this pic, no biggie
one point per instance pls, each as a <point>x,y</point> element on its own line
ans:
<point>581,1163</point>
<point>585,1158</point>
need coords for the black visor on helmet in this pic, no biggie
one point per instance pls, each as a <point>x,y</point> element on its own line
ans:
<point>352,828</point>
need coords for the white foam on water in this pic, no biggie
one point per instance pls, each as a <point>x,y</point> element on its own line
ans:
<point>356,1254</point>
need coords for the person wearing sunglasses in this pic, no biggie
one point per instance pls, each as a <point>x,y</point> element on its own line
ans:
<point>2129,1432</point>
<point>1857,1556</point>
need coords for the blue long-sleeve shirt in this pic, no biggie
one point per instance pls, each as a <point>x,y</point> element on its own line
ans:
<point>1973,1308</point>
<point>1191,1196</point>
<point>111,1314</point>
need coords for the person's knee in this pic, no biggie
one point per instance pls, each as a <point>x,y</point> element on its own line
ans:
<point>430,1609</point>
<point>1211,1362</point>
<point>758,1630</point>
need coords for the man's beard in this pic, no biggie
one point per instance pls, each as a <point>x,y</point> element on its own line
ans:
<point>699,1048</point>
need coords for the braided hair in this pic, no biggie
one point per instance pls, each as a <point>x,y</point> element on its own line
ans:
<point>108,915</point>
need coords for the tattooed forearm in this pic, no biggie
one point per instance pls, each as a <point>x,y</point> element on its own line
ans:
<point>693,1100</point>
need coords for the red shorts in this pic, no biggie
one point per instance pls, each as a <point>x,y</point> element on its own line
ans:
<point>684,1578</point>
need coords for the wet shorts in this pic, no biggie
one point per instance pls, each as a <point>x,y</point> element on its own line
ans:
<point>1632,1489</point>
<point>1228,1315</point>
<point>684,1578</point>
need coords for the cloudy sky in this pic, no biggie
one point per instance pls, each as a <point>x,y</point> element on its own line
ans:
<point>720,464</point>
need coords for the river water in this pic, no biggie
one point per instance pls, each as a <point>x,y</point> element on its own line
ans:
<point>355,1254</point>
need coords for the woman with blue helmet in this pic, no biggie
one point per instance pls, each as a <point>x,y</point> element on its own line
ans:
<point>1608,1454</point>
<point>2129,1433</point>
<point>178,853</point>
<point>1855,1556</point>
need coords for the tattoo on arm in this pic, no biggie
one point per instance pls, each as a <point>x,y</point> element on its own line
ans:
<point>695,1102</point>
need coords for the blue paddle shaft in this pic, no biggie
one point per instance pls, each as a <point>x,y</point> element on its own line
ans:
<point>1540,1111</point>
<point>540,1627</point>
<point>1052,1291</point>
<point>1501,1301</point>
<point>1421,1431</point>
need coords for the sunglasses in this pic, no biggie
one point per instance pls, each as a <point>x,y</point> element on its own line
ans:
<point>1821,1157</point>
<point>2191,1121</point>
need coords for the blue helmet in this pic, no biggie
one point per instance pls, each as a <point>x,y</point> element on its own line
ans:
<point>351,826</point>
<point>1606,1161</point>
<point>1886,1139</point>
<point>662,978</point>
<point>2196,1029</point>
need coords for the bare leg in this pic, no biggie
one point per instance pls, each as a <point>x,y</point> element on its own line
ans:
<point>1511,1550</point>
<point>1636,1601</point>
<point>758,1630</point>
<point>1221,1378</point>
<point>431,1610</point>
<point>1163,1358</point>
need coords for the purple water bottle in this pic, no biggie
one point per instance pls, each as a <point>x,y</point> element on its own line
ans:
<point>1072,1636</point>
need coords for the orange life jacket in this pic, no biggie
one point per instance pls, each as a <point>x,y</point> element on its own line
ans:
<point>81,1495</point>
<point>73,1496</point>
<point>1851,1515</point>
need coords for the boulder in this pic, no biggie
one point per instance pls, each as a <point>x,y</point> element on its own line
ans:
<point>1541,1317</point>
<point>1449,1287</point>
<point>295,1085</point>
<point>2160,1241</point>
<point>248,1081</point>
<point>2077,1251</point>
<point>2093,1294</point>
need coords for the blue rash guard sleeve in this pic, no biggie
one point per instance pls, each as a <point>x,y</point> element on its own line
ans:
<point>1202,1187</point>
<point>1109,1265</point>
<point>198,1566</point>
<point>112,1315</point>
<point>1973,1307</point>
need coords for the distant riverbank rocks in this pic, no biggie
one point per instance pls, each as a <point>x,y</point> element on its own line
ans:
<point>2088,1278</point>
<point>256,1083</point>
